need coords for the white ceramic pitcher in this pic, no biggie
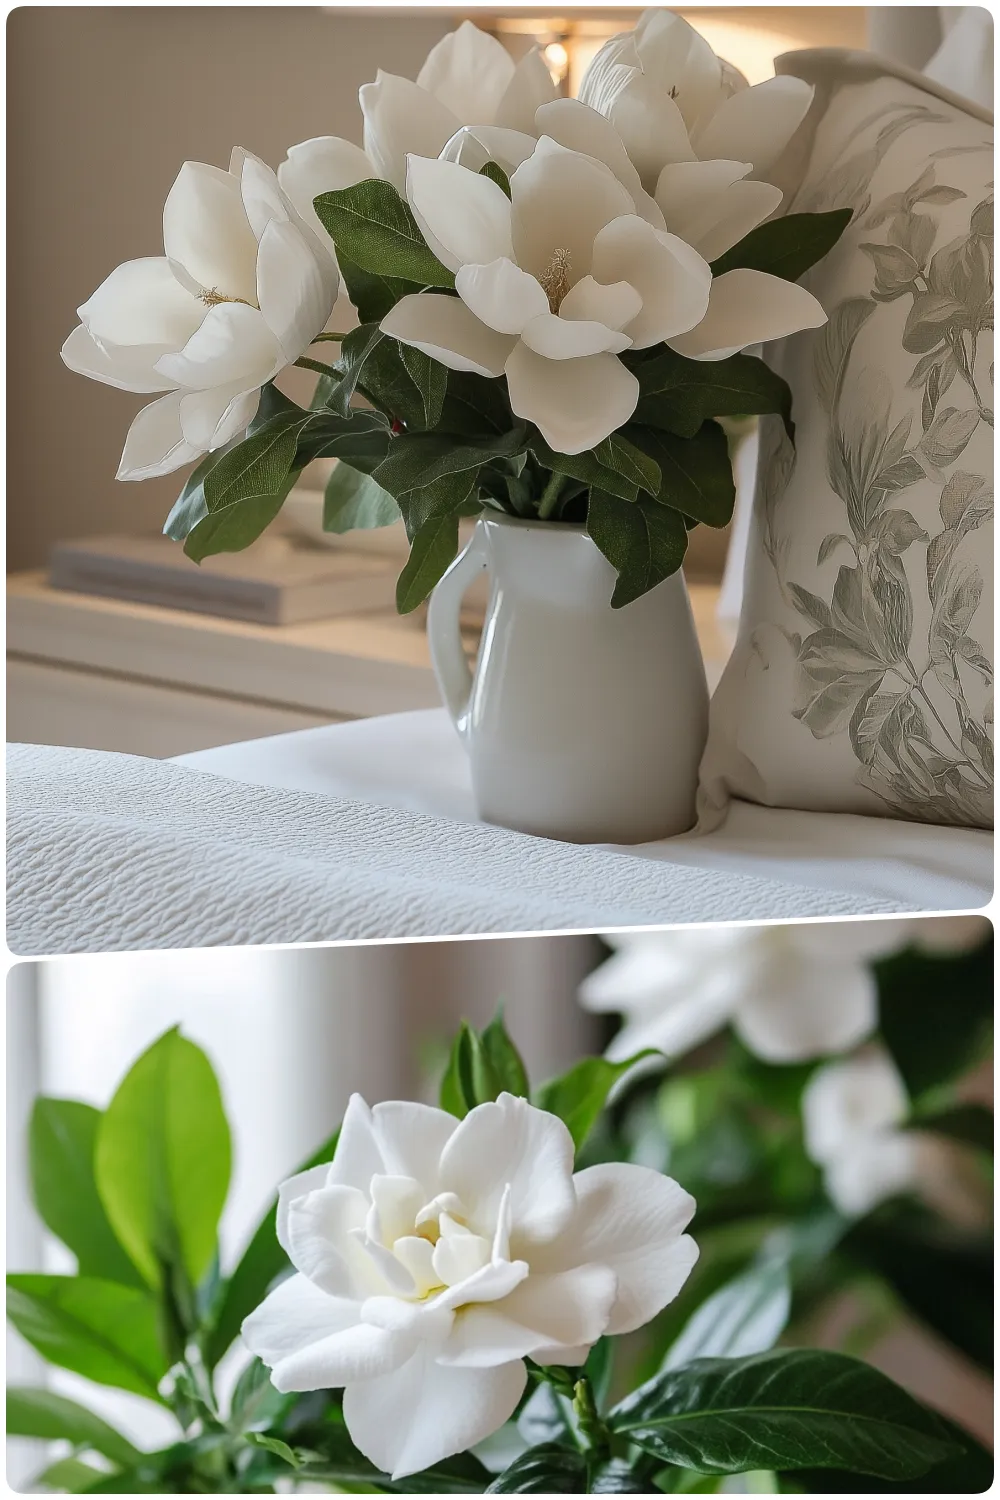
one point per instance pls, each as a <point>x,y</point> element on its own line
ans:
<point>582,723</point>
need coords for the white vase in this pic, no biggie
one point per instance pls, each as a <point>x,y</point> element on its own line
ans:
<point>581,722</point>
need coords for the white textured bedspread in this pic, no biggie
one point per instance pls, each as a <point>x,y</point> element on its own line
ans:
<point>110,851</point>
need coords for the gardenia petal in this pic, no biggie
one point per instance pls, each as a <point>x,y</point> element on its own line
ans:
<point>529,88</point>
<point>469,71</point>
<point>709,205</point>
<point>444,328</point>
<point>850,1101</point>
<point>401,117</point>
<point>567,1310</point>
<point>206,230</point>
<point>561,200</point>
<point>798,1009</point>
<point>312,1341</point>
<point>580,128</point>
<point>872,1170</point>
<point>299,1186</point>
<point>502,295</point>
<point>129,369</point>
<point>142,303</point>
<point>233,343</point>
<point>292,292</point>
<point>755,124</point>
<point>155,443</point>
<point>613,304</point>
<point>748,307</point>
<point>424,1411</point>
<point>556,337</point>
<point>575,403</point>
<point>322,165</point>
<point>673,280</point>
<point>322,1244</point>
<point>464,217</point>
<point>474,145</point>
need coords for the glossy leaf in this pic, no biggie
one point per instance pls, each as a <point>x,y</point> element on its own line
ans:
<point>375,229</point>
<point>480,1068</point>
<point>788,246</point>
<point>746,1316</point>
<point>677,395</point>
<point>237,526</point>
<point>372,293</point>
<point>788,1409</point>
<point>579,1095</point>
<point>504,1058</point>
<point>354,352</point>
<point>107,1332</point>
<point>354,502</point>
<point>697,472</point>
<point>435,542</point>
<point>430,379</point>
<point>163,1159</point>
<point>549,1469</point>
<point>416,460</point>
<point>969,1472</point>
<point>39,1413</point>
<point>643,540</point>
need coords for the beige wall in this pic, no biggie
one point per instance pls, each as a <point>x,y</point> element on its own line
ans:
<point>103,106</point>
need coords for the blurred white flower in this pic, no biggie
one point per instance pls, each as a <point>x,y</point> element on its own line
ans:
<point>242,289</point>
<point>790,992</point>
<point>851,1111</point>
<point>434,1255</point>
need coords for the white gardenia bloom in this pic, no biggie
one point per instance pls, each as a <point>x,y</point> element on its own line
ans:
<point>469,78</point>
<point>555,282</point>
<point>851,1114</point>
<point>241,291</point>
<point>672,100</point>
<point>790,992</point>
<point>434,1255</point>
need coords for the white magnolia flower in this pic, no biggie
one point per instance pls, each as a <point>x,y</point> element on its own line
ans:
<point>672,100</point>
<point>555,282</point>
<point>468,78</point>
<point>790,992</point>
<point>434,1255</point>
<point>241,290</point>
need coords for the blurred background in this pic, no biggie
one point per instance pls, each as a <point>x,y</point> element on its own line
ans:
<point>292,1033</point>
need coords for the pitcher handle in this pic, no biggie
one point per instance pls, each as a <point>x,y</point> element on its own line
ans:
<point>444,636</point>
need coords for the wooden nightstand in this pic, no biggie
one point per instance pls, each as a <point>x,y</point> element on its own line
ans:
<point>105,675</point>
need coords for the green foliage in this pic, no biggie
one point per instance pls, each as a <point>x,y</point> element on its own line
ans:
<point>788,246</point>
<point>643,541</point>
<point>481,1067</point>
<point>373,226</point>
<point>108,1332</point>
<point>910,986</point>
<point>677,395</point>
<point>745,1316</point>
<point>579,1096</point>
<point>51,1417</point>
<point>355,502</point>
<point>697,475</point>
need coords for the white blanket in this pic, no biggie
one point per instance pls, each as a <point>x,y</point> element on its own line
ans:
<point>110,851</point>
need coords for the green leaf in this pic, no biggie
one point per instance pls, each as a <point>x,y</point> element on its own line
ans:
<point>470,1077</point>
<point>435,543</point>
<point>496,174</point>
<point>697,471</point>
<point>430,379</point>
<point>972,1124</point>
<point>504,1058</point>
<point>616,1477</point>
<point>746,1316</point>
<point>788,246</point>
<point>588,468</point>
<point>911,986</point>
<point>261,1263</point>
<point>236,527</point>
<point>787,1409</point>
<point>255,1404</point>
<point>475,406</point>
<point>107,1332</point>
<point>189,508</point>
<point>388,387</point>
<point>276,1446</point>
<point>61,1140</point>
<point>579,1095</point>
<point>373,227</point>
<point>37,1413</point>
<point>677,395</point>
<point>258,466</point>
<point>965,1473</point>
<point>163,1158</point>
<point>354,352</point>
<point>416,460</point>
<point>643,541</point>
<point>70,1476</point>
<point>354,502</point>
<point>549,1469</point>
<point>371,293</point>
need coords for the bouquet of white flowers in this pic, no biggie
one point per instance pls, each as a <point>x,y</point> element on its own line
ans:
<point>553,298</point>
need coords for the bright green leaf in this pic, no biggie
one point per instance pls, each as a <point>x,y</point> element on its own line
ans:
<point>579,1095</point>
<point>69,1476</point>
<point>643,540</point>
<point>788,246</point>
<point>276,1446</point>
<point>373,226</point>
<point>38,1413</point>
<point>107,1332</point>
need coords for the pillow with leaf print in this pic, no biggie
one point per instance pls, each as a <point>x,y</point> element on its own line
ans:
<point>862,676</point>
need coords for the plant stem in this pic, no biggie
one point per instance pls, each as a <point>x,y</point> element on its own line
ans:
<point>329,338</point>
<point>303,363</point>
<point>592,1429</point>
<point>550,495</point>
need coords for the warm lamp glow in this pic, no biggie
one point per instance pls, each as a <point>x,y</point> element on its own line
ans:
<point>556,60</point>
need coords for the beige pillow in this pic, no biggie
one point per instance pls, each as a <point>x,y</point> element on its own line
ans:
<point>862,677</point>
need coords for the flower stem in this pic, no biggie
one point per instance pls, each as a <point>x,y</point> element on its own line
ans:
<point>550,495</point>
<point>592,1429</point>
<point>329,338</point>
<point>302,363</point>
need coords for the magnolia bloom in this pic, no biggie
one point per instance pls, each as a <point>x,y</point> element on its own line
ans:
<point>241,291</point>
<point>469,78</point>
<point>556,281</point>
<point>434,1255</point>
<point>673,101</point>
<point>790,992</point>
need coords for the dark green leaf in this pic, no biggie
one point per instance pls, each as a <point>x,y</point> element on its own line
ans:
<point>61,1141</point>
<point>388,387</point>
<point>354,352</point>
<point>354,502</point>
<point>504,1058</point>
<point>258,466</point>
<point>371,293</point>
<point>236,527</point>
<point>416,460</point>
<point>430,379</point>
<point>163,1157</point>
<point>469,1078</point>
<point>496,174</point>
<point>967,1473</point>
<point>189,508</point>
<point>107,1332</point>
<point>677,395</point>
<point>435,544</point>
<point>475,406</point>
<point>643,540</point>
<point>261,1263</point>
<point>579,1095</point>
<point>787,1409</point>
<point>45,1414</point>
<point>697,471</point>
<point>548,1469</point>
<point>746,1316</point>
<point>911,986</point>
<point>788,246</point>
<point>616,1477</point>
<point>373,227</point>
<point>972,1124</point>
<point>588,467</point>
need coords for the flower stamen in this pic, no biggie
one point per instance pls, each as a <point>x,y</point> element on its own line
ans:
<point>554,280</point>
<point>212,297</point>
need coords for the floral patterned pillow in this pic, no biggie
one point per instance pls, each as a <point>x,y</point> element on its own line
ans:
<point>862,678</point>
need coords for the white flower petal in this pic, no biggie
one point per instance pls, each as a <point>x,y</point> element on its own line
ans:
<point>210,419</point>
<point>580,128</point>
<point>129,369</point>
<point>672,279</point>
<point>561,200</point>
<point>556,337</point>
<point>322,165</point>
<point>798,1009</point>
<point>748,307</point>
<point>321,1244</point>
<point>155,443</point>
<point>423,1412</point>
<point>411,1138</point>
<point>755,124</point>
<point>679,62</point>
<point>631,1219</point>
<point>529,88</point>
<point>501,295</point>
<point>469,71</point>
<point>872,1170</point>
<point>293,294</point>
<point>232,344</point>
<point>567,1310</point>
<point>709,205</point>
<point>299,1186</point>
<point>142,303</point>
<point>474,145</point>
<point>294,1315</point>
<point>847,942</point>
<point>609,70</point>
<point>401,117</point>
<point>311,1341</point>
<point>358,1157</point>
<point>509,1142</point>
<point>575,403</point>
<point>206,230</point>
<point>850,1101</point>
<point>444,328</point>
<point>614,304</point>
<point>678,1024</point>
<point>464,217</point>
<point>651,127</point>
